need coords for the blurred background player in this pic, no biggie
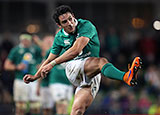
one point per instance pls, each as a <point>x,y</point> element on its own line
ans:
<point>61,89</point>
<point>56,87</point>
<point>43,85</point>
<point>24,58</point>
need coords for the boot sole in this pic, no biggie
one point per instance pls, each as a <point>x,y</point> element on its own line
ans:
<point>134,82</point>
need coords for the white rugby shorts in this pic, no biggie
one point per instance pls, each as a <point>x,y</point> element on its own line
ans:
<point>46,98</point>
<point>75,74</point>
<point>61,91</point>
<point>25,92</point>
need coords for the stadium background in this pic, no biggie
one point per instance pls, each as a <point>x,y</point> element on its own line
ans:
<point>126,29</point>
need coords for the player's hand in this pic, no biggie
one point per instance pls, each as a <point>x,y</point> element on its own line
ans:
<point>45,70</point>
<point>29,78</point>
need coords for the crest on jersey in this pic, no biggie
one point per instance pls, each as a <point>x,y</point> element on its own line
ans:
<point>66,42</point>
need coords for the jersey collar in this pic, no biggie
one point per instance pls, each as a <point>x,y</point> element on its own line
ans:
<point>65,33</point>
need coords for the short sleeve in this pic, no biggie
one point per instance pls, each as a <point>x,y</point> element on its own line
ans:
<point>56,48</point>
<point>87,29</point>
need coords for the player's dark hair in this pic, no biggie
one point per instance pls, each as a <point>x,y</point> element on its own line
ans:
<point>61,10</point>
<point>24,32</point>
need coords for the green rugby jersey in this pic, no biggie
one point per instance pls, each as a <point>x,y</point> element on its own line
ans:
<point>16,55</point>
<point>45,81</point>
<point>56,75</point>
<point>85,28</point>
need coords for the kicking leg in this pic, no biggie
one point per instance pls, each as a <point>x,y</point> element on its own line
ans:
<point>95,65</point>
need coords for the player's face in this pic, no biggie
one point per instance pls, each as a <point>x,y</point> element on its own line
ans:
<point>67,22</point>
<point>26,43</point>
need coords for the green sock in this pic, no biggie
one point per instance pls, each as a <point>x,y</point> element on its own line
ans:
<point>110,71</point>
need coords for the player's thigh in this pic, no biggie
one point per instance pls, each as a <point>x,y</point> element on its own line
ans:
<point>83,99</point>
<point>93,65</point>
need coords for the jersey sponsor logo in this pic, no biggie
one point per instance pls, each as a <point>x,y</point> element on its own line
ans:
<point>67,42</point>
<point>27,56</point>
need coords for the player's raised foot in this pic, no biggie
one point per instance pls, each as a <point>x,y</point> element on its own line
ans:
<point>130,77</point>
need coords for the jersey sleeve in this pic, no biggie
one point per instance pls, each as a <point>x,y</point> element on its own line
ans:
<point>56,47</point>
<point>87,29</point>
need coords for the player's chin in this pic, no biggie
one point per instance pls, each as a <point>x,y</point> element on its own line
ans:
<point>71,30</point>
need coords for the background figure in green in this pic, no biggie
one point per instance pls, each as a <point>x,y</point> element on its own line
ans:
<point>61,89</point>
<point>47,103</point>
<point>24,58</point>
<point>55,88</point>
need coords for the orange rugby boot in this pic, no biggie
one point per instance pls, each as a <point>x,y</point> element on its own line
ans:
<point>130,77</point>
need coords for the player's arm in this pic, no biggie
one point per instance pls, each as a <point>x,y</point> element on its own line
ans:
<point>10,66</point>
<point>49,59</point>
<point>29,78</point>
<point>37,41</point>
<point>71,53</point>
<point>74,51</point>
